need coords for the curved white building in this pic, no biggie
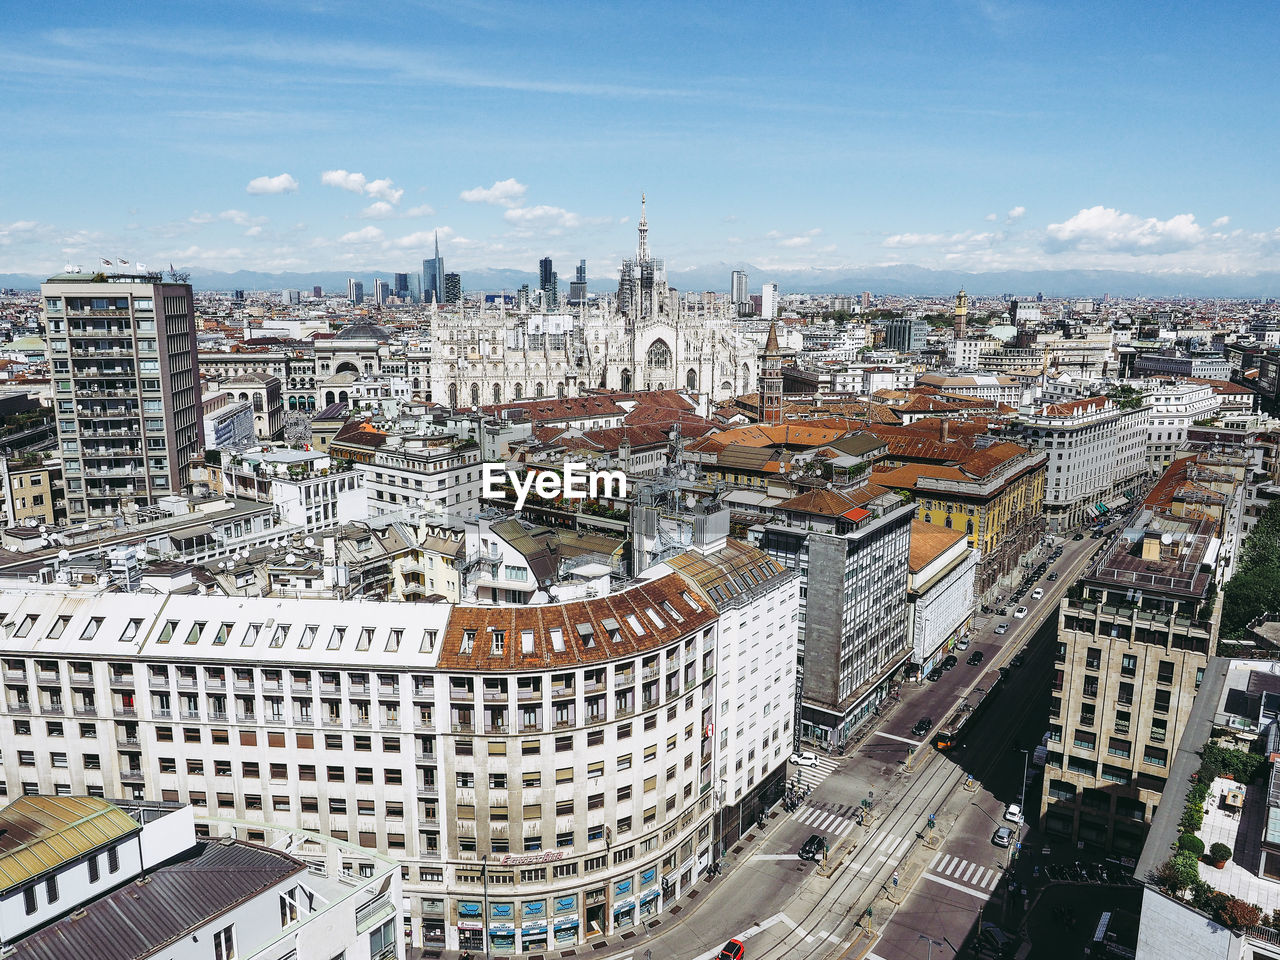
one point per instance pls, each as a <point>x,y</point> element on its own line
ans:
<point>574,760</point>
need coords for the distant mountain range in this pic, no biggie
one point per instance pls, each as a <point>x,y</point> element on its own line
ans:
<point>905,280</point>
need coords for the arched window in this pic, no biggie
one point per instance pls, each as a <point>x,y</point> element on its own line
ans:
<point>948,521</point>
<point>342,396</point>
<point>475,394</point>
<point>691,380</point>
<point>329,398</point>
<point>257,403</point>
<point>453,396</point>
<point>659,355</point>
<point>497,393</point>
<point>927,518</point>
<point>626,380</point>
<point>968,526</point>
<point>537,389</point>
<point>560,390</point>
<point>519,391</point>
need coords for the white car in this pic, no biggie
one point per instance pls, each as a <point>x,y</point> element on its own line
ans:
<point>804,759</point>
<point>962,643</point>
<point>1037,593</point>
<point>1020,612</point>
<point>1002,628</point>
<point>1013,813</point>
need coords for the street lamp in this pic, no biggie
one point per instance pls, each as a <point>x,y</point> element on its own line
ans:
<point>932,943</point>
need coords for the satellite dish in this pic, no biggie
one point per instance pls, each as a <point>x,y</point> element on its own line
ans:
<point>1166,538</point>
<point>44,528</point>
<point>310,541</point>
<point>64,555</point>
<point>289,558</point>
<point>31,521</point>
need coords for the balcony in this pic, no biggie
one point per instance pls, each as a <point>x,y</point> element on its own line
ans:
<point>125,711</point>
<point>186,682</point>
<point>561,691</point>
<point>464,728</point>
<point>131,775</point>
<point>218,715</point>
<point>19,708</point>
<point>122,680</point>
<point>52,709</point>
<point>213,683</point>
<point>88,710</point>
<point>159,683</point>
<point>127,741</point>
<point>18,675</point>
<point>332,721</point>
<point>495,696</point>
<point>299,720</point>
<point>499,729</point>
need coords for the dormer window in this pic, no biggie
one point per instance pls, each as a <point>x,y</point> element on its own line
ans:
<point>468,641</point>
<point>498,644</point>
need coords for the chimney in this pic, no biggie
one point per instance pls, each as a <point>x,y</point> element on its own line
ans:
<point>943,430</point>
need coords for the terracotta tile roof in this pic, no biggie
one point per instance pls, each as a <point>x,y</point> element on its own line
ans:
<point>1074,408</point>
<point>560,408</point>
<point>929,542</point>
<point>1221,387</point>
<point>822,503</point>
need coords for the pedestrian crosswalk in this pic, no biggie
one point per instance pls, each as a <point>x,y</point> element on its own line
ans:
<point>812,776</point>
<point>960,874</point>
<point>829,819</point>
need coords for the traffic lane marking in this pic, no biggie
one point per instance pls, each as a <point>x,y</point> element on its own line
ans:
<point>894,736</point>
<point>980,894</point>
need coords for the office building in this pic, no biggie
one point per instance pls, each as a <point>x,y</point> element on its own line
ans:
<point>851,549</point>
<point>578,288</point>
<point>433,276</point>
<point>290,297</point>
<point>1207,367</point>
<point>865,302</point>
<point>1097,455</point>
<point>1134,639</point>
<point>571,767</point>
<point>381,290</point>
<point>769,301</point>
<point>317,292</point>
<point>1175,406</point>
<point>739,294</point>
<point>452,288</point>
<point>355,291</point>
<point>400,285</point>
<point>906,335</point>
<point>548,283</point>
<point>126,389</point>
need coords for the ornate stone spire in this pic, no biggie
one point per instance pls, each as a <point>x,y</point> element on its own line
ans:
<point>643,229</point>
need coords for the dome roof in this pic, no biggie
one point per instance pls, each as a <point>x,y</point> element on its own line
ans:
<point>363,331</point>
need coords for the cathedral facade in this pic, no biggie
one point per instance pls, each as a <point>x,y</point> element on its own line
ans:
<point>645,338</point>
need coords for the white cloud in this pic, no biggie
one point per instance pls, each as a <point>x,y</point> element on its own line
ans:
<point>542,215</point>
<point>423,238</point>
<point>1015,213</point>
<point>383,190</point>
<point>378,211</point>
<point>253,232</point>
<point>1104,229</point>
<point>363,235</point>
<point>990,218</point>
<point>795,242</point>
<point>344,180</point>
<point>238,217</point>
<point>1220,222</point>
<point>284,183</point>
<point>503,193</point>
<point>422,210</point>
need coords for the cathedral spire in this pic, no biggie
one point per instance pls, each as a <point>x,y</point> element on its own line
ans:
<point>643,229</point>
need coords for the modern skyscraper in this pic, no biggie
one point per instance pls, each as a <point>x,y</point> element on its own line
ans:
<point>578,289</point>
<point>289,297</point>
<point>400,285</point>
<point>126,388</point>
<point>355,291</point>
<point>769,301</point>
<point>452,288</point>
<point>381,290</point>
<point>317,292</point>
<point>738,292</point>
<point>549,284</point>
<point>522,298</point>
<point>433,276</point>
<point>866,299</point>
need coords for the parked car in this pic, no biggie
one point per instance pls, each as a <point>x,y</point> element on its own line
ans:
<point>813,847</point>
<point>934,675</point>
<point>1013,813</point>
<point>996,941</point>
<point>1053,576</point>
<point>1078,536</point>
<point>975,658</point>
<point>1002,628</point>
<point>733,950</point>
<point>805,759</point>
<point>962,643</point>
<point>1037,593</point>
<point>1002,837</point>
<point>923,725</point>
<point>1020,612</point>
<point>950,661</point>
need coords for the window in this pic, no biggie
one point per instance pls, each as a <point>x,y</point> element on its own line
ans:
<point>93,868</point>
<point>224,943</point>
<point>1093,658</point>
<point>51,888</point>
<point>1085,740</point>
<point>29,900</point>
<point>1128,665</point>
<point>383,940</point>
<point>1156,756</point>
<point>1165,673</point>
<point>113,859</point>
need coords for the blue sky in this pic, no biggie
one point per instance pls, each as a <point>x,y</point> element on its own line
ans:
<point>967,134</point>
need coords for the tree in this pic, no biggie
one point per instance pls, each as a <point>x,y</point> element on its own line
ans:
<point>1177,873</point>
<point>1219,853</point>
<point>1190,843</point>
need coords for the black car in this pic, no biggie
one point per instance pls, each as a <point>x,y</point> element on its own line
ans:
<point>975,658</point>
<point>1053,576</point>
<point>1018,660</point>
<point>949,662</point>
<point>923,725</point>
<point>1078,536</point>
<point>934,675</point>
<point>813,847</point>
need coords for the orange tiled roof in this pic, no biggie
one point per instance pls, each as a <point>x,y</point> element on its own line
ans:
<point>929,542</point>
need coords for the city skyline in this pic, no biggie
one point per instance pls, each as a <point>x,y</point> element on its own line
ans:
<point>973,137</point>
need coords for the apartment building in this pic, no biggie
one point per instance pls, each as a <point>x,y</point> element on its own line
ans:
<point>1135,637</point>
<point>996,389</point>
<point>1202,365</point>
<point>439,474</point>
<point>853,613</point>
<point>126,391</point>
<point>566,758</point>
<point>1175,406</point>
<point>940,594</point>
<point>33,491</point>
<point>88,878</point>
<point>1097,453</point>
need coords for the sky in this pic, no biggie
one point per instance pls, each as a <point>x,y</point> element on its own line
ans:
<point>287,135</point>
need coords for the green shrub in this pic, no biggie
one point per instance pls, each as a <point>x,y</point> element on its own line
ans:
<point>1238,764</point>
<point>1219,852</point>
<point>1190,843</point>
